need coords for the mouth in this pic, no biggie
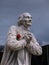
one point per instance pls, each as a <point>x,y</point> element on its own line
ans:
<point>29,24</point>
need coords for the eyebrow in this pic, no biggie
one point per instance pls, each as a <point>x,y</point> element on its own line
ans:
<point>27,17</point>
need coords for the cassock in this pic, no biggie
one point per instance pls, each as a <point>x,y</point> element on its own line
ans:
<point>15,51</point>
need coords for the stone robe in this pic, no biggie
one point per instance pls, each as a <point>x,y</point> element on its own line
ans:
<point>16,52</point>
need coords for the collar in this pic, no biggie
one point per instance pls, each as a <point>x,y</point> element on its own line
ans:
<point>22,27</point>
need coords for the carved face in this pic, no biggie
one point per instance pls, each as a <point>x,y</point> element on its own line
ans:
<point>26,19</point>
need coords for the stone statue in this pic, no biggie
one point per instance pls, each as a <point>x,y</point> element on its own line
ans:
<point>20,43</point>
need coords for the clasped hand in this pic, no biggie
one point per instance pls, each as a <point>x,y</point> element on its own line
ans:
<point>28,38</point>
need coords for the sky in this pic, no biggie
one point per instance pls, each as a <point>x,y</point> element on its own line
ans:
<point>11,9</point>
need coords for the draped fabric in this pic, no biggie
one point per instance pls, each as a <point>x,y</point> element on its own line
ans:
<point>37,60</point>
<point>19,51</point>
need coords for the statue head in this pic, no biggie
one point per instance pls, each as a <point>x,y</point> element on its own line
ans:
<point>25,19</point>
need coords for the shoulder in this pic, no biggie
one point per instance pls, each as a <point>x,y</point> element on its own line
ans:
<point>13,27</point>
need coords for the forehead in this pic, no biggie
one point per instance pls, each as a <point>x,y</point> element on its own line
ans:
<point>26,14</point>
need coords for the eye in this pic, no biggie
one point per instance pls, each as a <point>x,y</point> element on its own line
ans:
<point>28,17</point>
<point>31,17</point>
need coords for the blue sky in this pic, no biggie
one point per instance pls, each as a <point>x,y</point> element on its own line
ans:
<point>11,9</point>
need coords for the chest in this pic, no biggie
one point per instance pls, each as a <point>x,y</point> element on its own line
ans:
<point>22,32</point>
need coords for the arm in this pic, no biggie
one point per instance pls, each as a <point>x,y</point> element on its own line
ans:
<point>12,43</point>
<point>34,47</point>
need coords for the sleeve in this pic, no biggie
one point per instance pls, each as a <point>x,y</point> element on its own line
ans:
<point>12,43</point>
<point>34,47</point>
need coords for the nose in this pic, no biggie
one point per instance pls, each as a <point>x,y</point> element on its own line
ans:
<point>30,20</point>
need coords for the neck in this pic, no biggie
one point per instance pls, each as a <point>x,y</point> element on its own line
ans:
<point>24,27</point>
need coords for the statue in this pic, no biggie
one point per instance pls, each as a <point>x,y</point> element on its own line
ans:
<point>21,43</point>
